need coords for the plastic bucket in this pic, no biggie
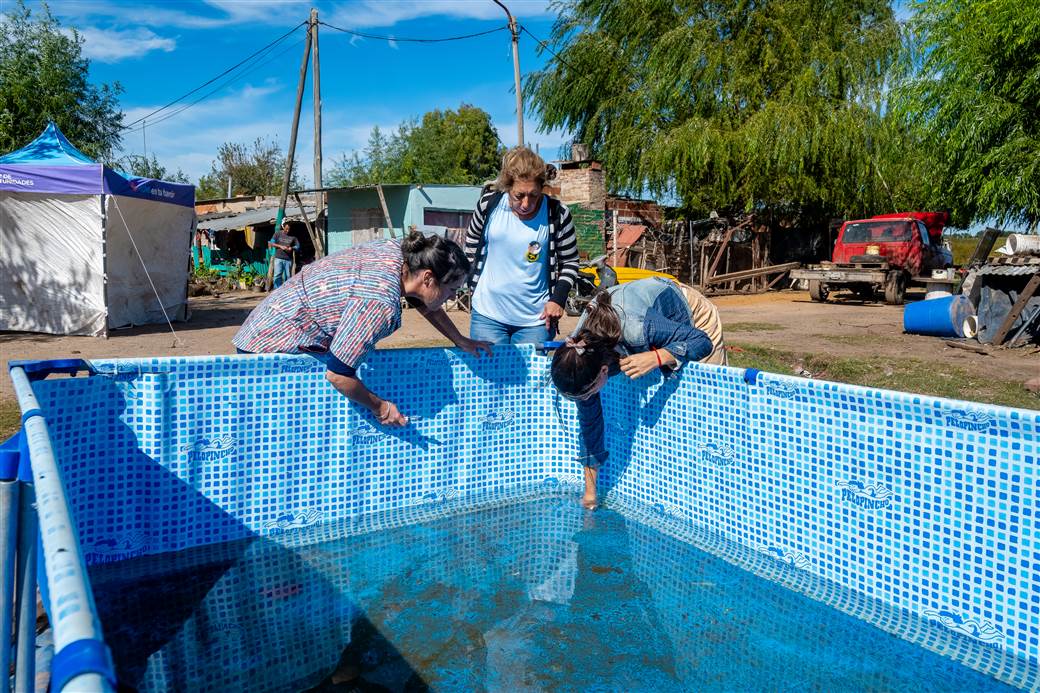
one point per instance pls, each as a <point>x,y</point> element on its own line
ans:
<point>940,317</point>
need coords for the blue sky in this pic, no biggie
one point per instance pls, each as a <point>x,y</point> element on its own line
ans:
<point>160,50</point>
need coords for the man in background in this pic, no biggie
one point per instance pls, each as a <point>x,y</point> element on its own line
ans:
<point>284,246</point>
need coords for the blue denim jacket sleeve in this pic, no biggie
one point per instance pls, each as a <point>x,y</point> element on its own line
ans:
<point>682,340</point>
<point>590,417</point>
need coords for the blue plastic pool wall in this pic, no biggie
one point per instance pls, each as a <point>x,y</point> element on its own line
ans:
<point>922,503</point>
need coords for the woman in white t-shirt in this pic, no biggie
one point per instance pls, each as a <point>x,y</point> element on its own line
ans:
<point>522,245</point>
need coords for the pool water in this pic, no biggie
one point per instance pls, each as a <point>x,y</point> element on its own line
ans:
<point>531,595</point>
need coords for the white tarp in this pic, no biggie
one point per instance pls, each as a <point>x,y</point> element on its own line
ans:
<point>51,267</point>
<point>163,234</point>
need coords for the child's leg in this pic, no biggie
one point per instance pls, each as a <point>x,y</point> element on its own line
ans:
<point>589,499</point>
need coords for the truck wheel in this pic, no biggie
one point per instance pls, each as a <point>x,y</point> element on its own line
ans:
<point>895,288</point>
<point>818,291</point>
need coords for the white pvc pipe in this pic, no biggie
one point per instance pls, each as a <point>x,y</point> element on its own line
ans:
<point>72,612</point>
<point>1021,244</point>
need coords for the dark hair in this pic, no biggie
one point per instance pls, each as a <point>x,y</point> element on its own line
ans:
<point>439,255</point>
<point>574,372</point>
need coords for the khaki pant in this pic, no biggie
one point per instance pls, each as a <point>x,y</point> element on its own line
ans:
<point>706,319</point>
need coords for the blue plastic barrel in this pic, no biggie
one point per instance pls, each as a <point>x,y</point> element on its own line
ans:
<point>939,317</point>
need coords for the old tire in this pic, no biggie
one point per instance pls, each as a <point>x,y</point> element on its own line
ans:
<point>895,288</point>
<point>818,291</point>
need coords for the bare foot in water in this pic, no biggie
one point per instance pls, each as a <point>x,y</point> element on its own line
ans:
<point>588,501</point>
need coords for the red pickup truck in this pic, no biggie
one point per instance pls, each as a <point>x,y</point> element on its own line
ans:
<point>885,254</point>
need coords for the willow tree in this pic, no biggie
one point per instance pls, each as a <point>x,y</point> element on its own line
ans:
<point>973,91</point>
<point>733,105</point>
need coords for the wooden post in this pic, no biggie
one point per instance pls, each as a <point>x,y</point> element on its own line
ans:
<point>733,284</point>
<point>722,248</point>
<point>615,259</point>
<point>514,29</point>
<point>292,147</point>
<point>319,246</point>
<point>319,199</point>
<point>690,224</point>
<point>750,273</point>
<point>386,212</point>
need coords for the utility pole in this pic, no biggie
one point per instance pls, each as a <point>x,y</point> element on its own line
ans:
<point>292,145</point>
<point>319,197</point>
<point>295,127</point>
<point>515,30</point>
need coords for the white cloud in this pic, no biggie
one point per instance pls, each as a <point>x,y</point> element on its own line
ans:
<point>383,13</point>
<point>352,14</point>
<point>113,45</point>
<point>190,140</point>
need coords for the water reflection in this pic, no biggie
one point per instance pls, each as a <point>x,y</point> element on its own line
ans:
<point>535,595</point>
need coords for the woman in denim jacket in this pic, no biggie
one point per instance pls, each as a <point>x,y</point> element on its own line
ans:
<point>632,328</point>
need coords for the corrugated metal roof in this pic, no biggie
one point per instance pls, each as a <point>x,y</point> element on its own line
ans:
<point>252,217</point>
<point>1010,270</point>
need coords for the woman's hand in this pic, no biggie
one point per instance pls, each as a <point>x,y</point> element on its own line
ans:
<point>473,347</point>
<point>387,414</point>
<point>551,314</point>
<point>638,365</point>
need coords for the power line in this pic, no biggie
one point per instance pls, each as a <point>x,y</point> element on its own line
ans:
<point>362,34</point>
<point>260,62</point>
<point>225,72</point>
<point>556,55</point>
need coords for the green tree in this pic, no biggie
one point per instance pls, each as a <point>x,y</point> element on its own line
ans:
<point>452,147</point>
<point>444,147</point>
<point>44,77</point>
<point>145,167</point>
<point>254,170</point>
<point>973,92</point>
<point>732,106</point>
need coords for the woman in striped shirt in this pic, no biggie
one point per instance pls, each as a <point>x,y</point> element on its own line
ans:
<point>524,251</point>
<point>341,305</point>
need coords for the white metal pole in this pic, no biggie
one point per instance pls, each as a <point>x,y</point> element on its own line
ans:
<point>76,619</point>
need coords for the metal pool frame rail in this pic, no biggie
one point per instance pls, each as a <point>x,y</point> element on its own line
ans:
<point>36,510</point>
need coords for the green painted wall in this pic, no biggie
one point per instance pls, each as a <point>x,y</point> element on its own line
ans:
<point>450,197</point>
<point>342,204</point>
<point>588,225</point>
<point>405,203</point>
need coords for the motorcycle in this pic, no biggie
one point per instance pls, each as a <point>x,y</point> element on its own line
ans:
<point>585,288</point>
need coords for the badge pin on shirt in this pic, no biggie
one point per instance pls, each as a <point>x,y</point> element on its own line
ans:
<point>534,249</point>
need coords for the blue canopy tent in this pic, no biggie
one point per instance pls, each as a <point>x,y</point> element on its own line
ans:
<point>88,248</point>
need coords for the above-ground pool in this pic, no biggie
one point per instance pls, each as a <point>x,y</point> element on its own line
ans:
<point>233,523</point>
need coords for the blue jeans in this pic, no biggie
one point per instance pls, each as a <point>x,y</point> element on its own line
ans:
<point>485,329</point>
<point>282,271</point>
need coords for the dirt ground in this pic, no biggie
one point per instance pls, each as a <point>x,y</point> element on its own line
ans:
<point>785,322</point>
